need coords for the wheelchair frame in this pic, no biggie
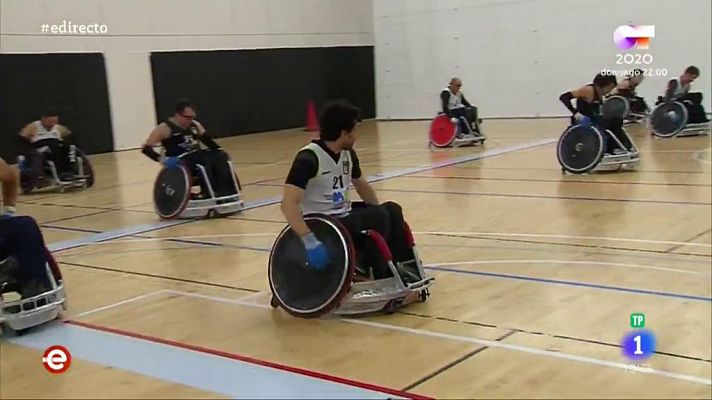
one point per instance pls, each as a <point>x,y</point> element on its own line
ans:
<point>365,295</point>
<point>81,179</point>
<point>204,207</point>
<point>458,139</point>
<point>686,130</point>
<point>630,159</point>
<point>211,206</point>
<point>35,310</point>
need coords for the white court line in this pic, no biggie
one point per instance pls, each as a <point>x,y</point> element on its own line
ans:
<point>120,303</point>
<point>650,267</point>
<point>614,239</point>
<point>488,343</point>
<point>158,239</point>
<point>698,156</point>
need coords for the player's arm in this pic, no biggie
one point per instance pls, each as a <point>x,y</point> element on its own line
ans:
<point>363,188</point>
<point>672,86</point>
<point>304,168</point>
<point>157,135</point>
<point>24,140</point>
<point>204,137</point>
<point>444,100</point>
<point>585,92</point>
<point>291,197</point>
<point>10,183</point>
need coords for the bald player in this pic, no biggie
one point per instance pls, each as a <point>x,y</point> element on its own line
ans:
<point>455,105</point>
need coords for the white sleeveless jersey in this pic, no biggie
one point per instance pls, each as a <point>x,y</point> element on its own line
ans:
<point>680,89</point>
<point>455,100</point>
<point>43,133</point>
<point>327,192</point>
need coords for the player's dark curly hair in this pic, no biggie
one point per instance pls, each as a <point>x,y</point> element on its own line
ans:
<point>602,80</point>
<point>337,116</point>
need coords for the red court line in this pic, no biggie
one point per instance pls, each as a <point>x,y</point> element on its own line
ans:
<point>264,363</point>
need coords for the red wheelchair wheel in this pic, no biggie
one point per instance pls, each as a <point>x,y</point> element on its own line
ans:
<point>442,131</point>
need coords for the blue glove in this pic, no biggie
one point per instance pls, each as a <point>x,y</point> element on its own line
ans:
<point>317,255</point>
<point>585,121</point>
<point>171,162</point>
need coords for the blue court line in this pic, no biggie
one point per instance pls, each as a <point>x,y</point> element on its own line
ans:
<point>490,274</point>
<point>574,283</point>
<point>194,368</point>
<point>119,233</point>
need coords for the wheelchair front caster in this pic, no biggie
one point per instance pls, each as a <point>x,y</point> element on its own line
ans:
<point>423,295</point>
<point>390,307</point>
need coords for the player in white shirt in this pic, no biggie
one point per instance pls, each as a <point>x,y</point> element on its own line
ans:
<point>319,180</point>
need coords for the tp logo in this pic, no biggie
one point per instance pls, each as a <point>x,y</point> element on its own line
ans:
<point>56,359</point>
<point>638,36</point>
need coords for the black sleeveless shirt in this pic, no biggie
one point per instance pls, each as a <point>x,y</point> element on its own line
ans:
<point>592,109</point>
<point>180,140</point>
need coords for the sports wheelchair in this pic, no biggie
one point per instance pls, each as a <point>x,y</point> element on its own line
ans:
<point>350,285</point>
<point>581,147</point>
<point>175,196</point>
<point>81,175</point>
<point>670,119</point>
<point>453,132</point>
<point>19,314</point>
<point>631,114</point>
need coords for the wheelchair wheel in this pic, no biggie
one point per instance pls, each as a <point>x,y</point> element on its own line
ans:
<point>171,192</point>
<point>442,131</point>
<point>580,149</point>
<point>668,119</point>
<point>300,290</point>
<point>615,108</point>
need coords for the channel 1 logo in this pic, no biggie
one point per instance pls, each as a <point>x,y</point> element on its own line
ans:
<point>629,36</point>
<point>56,359</point>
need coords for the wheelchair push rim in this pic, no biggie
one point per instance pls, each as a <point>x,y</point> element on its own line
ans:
<point>442,131</point>
<point>574,147</point>
<point>660,121</point>
<point>291,280</point>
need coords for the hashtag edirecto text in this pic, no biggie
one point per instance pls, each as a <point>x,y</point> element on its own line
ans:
<point>70,28</point>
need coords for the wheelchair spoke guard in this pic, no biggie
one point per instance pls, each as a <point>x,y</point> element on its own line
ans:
<point>580,149</point>
<point>300,290</point>
<point>171,192</point>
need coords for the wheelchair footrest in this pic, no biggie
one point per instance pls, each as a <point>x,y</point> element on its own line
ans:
<point>26,313</point>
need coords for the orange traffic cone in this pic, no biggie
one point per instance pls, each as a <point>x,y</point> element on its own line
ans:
<point>312,120</point>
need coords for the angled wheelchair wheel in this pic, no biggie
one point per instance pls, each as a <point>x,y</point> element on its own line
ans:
<point>171,192</point>
<point>88,169</point>
<point>442,131</point>
<point>615,108</point>
<point>580,149</point>
<point>668,119</point>
<point>304,292</point>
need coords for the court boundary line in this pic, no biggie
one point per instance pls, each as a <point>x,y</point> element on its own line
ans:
<point>250,360</point>
<point>550,335</point>
<point>466,339</point>
<point>129,231</point>
<point>556,236</point>
<point>573,284</point>
<point>562,262</point>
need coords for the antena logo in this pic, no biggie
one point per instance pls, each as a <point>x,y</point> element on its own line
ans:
<point>638,36</point>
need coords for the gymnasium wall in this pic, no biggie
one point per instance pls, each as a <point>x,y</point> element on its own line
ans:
<point>516,56</point>
<point>184,44</point>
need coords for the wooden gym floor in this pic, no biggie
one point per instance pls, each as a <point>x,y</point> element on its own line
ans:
<point>537,274</point>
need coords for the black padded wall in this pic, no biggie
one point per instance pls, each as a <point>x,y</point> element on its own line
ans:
<point>74,84</point>
<point>244,91</point>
